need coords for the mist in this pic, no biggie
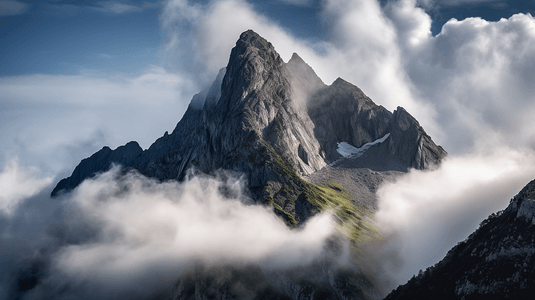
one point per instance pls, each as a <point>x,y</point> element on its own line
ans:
<point>125,235</point>
<point>470,87</point>
<point>51,122</point>
<point>425,213</point>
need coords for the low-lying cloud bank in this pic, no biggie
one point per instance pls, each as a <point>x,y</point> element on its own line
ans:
<point>423,214</point>
<point>124,235</point>
<point>53,121</point>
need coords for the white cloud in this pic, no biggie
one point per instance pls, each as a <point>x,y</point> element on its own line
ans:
<point>12,7</point>
<point>145,234</point>
<point>53,121</point>
<point>297,2</point>
<point>17,184</point>
<point>477,75</point>
<point>495,3</point>
<point>362,49</point>
<point>119,8</point>
<point>425,213</point>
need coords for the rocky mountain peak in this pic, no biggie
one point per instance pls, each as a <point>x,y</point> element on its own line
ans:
<point>304,81</point>
<point>403,119</point>
<point>414,147</point>
<point>253,62</point>
<point>273,122</point>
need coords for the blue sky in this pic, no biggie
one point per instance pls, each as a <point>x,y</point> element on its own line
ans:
<point>68,37</point>
<point>65,37</point>
<point>78,75</point>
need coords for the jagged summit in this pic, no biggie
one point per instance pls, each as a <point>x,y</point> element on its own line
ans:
<point>274,122</point>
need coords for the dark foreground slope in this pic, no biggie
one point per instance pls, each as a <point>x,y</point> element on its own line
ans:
<point>497,261</point>
<point>272,123</point>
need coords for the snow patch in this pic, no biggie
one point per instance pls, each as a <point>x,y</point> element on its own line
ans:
<point>348,150</point>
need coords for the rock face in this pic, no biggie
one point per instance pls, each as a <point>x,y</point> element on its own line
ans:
<point>97,163</point>
<point>272,122</point>
<point>494,262</point>
<point>341,112</point>
<point>410,144</point>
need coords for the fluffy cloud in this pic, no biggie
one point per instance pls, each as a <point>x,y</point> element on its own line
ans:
<point>425,213</point>
<point>53,121</point>
<point>17,184</point>
<point>129,236</point>
<point>462,85</point>
<point>362,47</point>
<point>476,74</point>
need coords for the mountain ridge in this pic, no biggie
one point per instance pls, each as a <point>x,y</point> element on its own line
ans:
<point>273,122</point>
<point>495,262</point>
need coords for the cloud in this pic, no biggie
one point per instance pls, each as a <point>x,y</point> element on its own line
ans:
<point>297,2</point>
<point>475,74</point>
<point>457,3</point>
<point>108,7</point>
<point>423,214</point>
<point>12,7</point>
<point>129,236</point>
<point>115,7</point>
<point>362,47</point>
<point>470,86</point>
<point>17,184</point>
<point>45,117</point>
<point>462,85</point>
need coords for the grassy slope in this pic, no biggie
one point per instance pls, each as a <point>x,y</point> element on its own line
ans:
<point>354,221</point>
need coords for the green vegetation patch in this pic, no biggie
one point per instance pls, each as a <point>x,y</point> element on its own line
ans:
<point>353,221</point>
<point>289,219</point>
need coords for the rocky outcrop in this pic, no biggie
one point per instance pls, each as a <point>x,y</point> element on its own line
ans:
<point>99,162</point>
<point>410,144</point>
<point>494,262</point>
<point>341,112</point>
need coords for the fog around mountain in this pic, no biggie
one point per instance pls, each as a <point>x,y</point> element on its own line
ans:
<point>469,86</point>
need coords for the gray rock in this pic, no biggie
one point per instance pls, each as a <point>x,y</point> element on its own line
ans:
<point>409,143</point>
<point>273,122</point>
<point>341,112</point>
<point>99,162</point>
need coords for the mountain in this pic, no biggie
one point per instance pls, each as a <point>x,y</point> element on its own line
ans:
<point>495,262</point>
<point>301,145</point>
<point>277,123</point>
